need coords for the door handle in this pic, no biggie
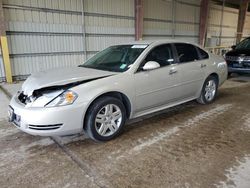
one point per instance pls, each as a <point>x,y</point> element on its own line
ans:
<point>203,65</point>
<point>172,71</point>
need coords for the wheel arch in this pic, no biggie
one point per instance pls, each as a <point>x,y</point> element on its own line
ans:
<point>116,94</point>
<point>200,98</point>
<point>216,76</point>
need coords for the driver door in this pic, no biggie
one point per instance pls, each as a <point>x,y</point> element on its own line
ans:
<point>158,87</point>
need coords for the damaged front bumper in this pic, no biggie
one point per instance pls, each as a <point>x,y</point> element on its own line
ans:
<point>52,121</point>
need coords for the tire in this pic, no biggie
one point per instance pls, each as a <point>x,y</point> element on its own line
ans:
<point>105,119</point>
<point>209,90</point>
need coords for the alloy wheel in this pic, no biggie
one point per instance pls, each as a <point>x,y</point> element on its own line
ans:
<point>108,120</point>
<point>210,90</point>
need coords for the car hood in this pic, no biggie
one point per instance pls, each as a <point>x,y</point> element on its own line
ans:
<point>238,52</point>
<point>60,77</point>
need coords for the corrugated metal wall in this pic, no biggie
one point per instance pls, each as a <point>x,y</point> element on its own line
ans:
<point>222,25</point>
<point>172,19</point>
<point>108,22</point>
<point>45,34</point>
<point>246,31</point>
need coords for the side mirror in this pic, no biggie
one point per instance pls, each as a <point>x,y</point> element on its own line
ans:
<point>233,47</point>
<point>150,65</point>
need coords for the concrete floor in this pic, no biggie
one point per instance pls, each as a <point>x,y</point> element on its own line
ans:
<point>190,145</point>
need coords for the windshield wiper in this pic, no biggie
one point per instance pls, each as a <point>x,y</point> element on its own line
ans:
<point>98,68</point>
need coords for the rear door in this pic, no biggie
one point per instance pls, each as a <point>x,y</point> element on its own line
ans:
<point>190,68</point>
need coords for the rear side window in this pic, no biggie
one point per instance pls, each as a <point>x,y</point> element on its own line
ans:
<point>186,52</point>
<point>203,54</point>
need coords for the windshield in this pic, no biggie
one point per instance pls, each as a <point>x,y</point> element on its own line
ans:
<point>115,58</point>
<point>245,44</point>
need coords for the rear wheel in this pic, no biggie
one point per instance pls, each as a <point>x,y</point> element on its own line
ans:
<point>105,119</point>
<point>209,90</point>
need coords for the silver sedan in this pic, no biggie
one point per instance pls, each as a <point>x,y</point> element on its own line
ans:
<point>119,83</point>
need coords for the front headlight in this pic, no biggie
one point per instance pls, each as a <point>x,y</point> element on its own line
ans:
<point>43,98</point>
<point>66,98</point>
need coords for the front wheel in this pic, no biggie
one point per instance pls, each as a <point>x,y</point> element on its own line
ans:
<point>209,90</point>
<point>105,119</point>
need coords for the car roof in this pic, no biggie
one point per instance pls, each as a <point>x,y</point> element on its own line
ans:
<point>149,42</point>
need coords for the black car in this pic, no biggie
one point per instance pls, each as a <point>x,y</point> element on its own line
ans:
<point>238,59</point>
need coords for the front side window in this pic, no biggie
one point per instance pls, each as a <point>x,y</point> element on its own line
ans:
<point>245,44</point>
<point>115,58</point>
<point>161,54</point>
<point>186,52</point>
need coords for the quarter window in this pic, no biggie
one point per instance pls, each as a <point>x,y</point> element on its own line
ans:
<point>203,54</point>
<point>186,52</point>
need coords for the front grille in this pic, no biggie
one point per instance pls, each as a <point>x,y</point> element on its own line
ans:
<point>231,58</point>
<point>45,127</point>
<point>242,64</point>
<point>237,58</point>
<point>238,62</point>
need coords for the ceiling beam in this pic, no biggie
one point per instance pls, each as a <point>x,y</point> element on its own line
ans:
<point>204,8</point>
<point>241,19</point>
<point>138,19</point>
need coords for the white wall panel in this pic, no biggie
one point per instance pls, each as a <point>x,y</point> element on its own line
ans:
<point>108,22</point>
<point>99,43</point>
<point>214,17</point>
<point>43,27</point>
<point>228,41</point>
<point>191,39</point>
<point>187,29</point>
<point>34,34</point>
<point>27,65</point>
<point>44,44</point>
<point>118,29</point>
<point>226,27</point>
<point>230,19</point>
<point>115,7</point>
<point>110,30</point>
<point>186,12</point>
<point>187,39</point>
<point>229,32</point>
<point>71,5</point>
<point>35,16</point>
<point>167,18</point>
<point>157,28</point>
<point>193,2</point>
<point>25,45</point>
<point>246,31</point>
<point>158,9</point>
